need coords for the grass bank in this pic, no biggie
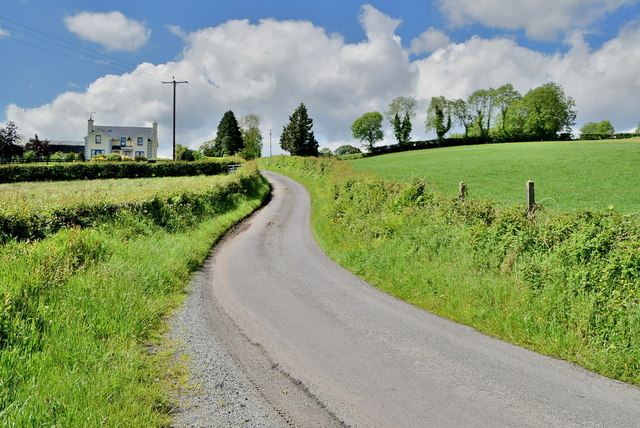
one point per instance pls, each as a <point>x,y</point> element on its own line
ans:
<point>563,284</point>
<point>572,175</point>
<point>82,310</point>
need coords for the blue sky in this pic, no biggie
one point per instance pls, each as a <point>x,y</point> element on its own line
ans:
<point>355,57</point>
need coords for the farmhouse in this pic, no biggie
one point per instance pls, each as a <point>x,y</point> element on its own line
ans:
<point>130,141</point>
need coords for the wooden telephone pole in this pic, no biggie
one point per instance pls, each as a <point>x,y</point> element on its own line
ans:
<point>174,83</point>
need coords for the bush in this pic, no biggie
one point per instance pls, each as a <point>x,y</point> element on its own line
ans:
<point>114,157</point>
<point>70,157</point>
<point>186,155</point>
<point>98,158</point>
<point>29,156</point>
<point>80,157</point>
<point>140,159</point>
<point>125,158</point>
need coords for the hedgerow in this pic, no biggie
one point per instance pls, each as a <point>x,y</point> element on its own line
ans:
<point>94,170</point>
<point>25,222</point>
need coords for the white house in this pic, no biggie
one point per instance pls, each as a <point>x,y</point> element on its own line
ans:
<point>124,140</point>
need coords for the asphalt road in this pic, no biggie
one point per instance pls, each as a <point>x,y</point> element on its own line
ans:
<point>368,359</point>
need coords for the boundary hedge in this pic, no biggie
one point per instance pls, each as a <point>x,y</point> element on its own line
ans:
<point>96,170</point>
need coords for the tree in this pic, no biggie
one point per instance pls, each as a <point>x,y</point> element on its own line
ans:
<point>39,147</point>
<point>326,152</point>
<point>439,116</point>
<point>547,112</point>
<point>482,104</point>
<point>9,139</point>
<point>463,116</point>
<point>402,107</point>
<point>638,128</point>
<point>368,129</point>
<point>251,135</point>
<point>506,96</point>
<point>602,128</point>
<point>297,136</point>
<point>228,140</point>
<point>208,148</point>
<point>346,150</point>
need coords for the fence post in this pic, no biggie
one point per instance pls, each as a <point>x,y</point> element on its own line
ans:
<point>531,198</point>
<point>462,194</point>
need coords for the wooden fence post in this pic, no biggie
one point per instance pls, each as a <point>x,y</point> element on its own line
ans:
<point>531,198</point>
<point>462,194</point>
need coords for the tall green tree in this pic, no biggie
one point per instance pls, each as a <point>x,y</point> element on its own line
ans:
<point>368,129</point>
<point>462,114</point>
<point>208,148</point>
<point>228,140</point>
<point>482,103</point>
<point>251,135</point>
<point>405,108</point>
<point>506,97</point>
<point>547,112</point>
<point>297,136</point>
<point>9,141</point>
<point>439,116</point>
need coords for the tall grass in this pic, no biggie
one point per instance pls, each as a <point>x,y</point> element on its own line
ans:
<point>564,284</point>
<point>573,175</point>
<point>82,314</point>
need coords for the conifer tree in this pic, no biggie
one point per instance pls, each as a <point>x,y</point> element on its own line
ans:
<point>297,136</point>
<point>228,140</point>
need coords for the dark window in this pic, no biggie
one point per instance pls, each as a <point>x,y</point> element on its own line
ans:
<point>140,143</point>
<point>98,139</point>
<point>123,141</point>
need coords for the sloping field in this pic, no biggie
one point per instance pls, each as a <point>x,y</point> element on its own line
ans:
<point>568,175</point>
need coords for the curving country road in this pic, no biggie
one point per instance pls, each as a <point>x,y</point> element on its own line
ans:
<point>363,358</point>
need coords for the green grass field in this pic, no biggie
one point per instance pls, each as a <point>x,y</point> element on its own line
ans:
<point>567,175</point>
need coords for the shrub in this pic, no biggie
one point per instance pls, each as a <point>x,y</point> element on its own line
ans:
<point>29,156</point>
<point>70,157</point>
<point>80,157</point>
<point>125,158</point>
<point>114,157</point>
<point>140,159</point>
<point>186,155</point>
<point>98,158</point>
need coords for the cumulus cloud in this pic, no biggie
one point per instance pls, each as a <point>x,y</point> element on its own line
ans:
<point>112,30</point>
<point>541,19</point>
<point>429,41</point>
<point>269,68</point>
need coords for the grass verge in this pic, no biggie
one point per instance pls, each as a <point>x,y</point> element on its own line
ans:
<point>82,311</point>
<point>563,284</point>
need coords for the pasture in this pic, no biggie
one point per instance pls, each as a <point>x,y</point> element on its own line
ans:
<point>568,176</point>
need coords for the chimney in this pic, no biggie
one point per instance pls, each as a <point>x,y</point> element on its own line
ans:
<point>90,126</point>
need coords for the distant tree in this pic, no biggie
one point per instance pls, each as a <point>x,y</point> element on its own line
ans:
<point>439,116</point>
<point>297,136</point>
<point>9,141</point>
<point>179,150</point>
<point>346,150</point>
<point>326,152</point>
<point>506,96</point>
<point>638,128</point>
<point>402,107</point>
<point>462,115</point>
<point>547,112</point>
<point>186,154</point>
<point>38,146</point>
<point>251,135</point>
<point>600,128</point>
<point>482,104</point>
<point>368,129</point>
<point>208,148</point>
<point>228,138</point>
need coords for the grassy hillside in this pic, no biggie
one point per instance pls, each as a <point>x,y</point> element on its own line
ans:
<point>568,175</point>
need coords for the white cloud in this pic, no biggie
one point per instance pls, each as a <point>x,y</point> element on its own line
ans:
<point>541,19</point>
<point>270,67</point>
<point>112,30</point>
<point>429,41</point>
<point>177,31</point>
<point>4,33</point>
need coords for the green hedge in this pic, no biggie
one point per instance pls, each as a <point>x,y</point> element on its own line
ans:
<point>22,223</point>
<point>91,170</point>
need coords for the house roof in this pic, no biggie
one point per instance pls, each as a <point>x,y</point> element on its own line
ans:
<point>66,143</point>
<point>127,131</point>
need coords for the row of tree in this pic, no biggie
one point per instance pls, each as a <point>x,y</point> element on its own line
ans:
<point>494,114</point>
<point>10,143</point>
<point>242,138</point>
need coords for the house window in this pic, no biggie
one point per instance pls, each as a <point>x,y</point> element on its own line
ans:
<point>140,141</point>
<point>96,152</point>
<point>139,153</point>
<point>98,139</point>
<point>123,141</point>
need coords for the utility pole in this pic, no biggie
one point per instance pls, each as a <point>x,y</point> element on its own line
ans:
<point>270,143</point>
<point>174,83</point>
